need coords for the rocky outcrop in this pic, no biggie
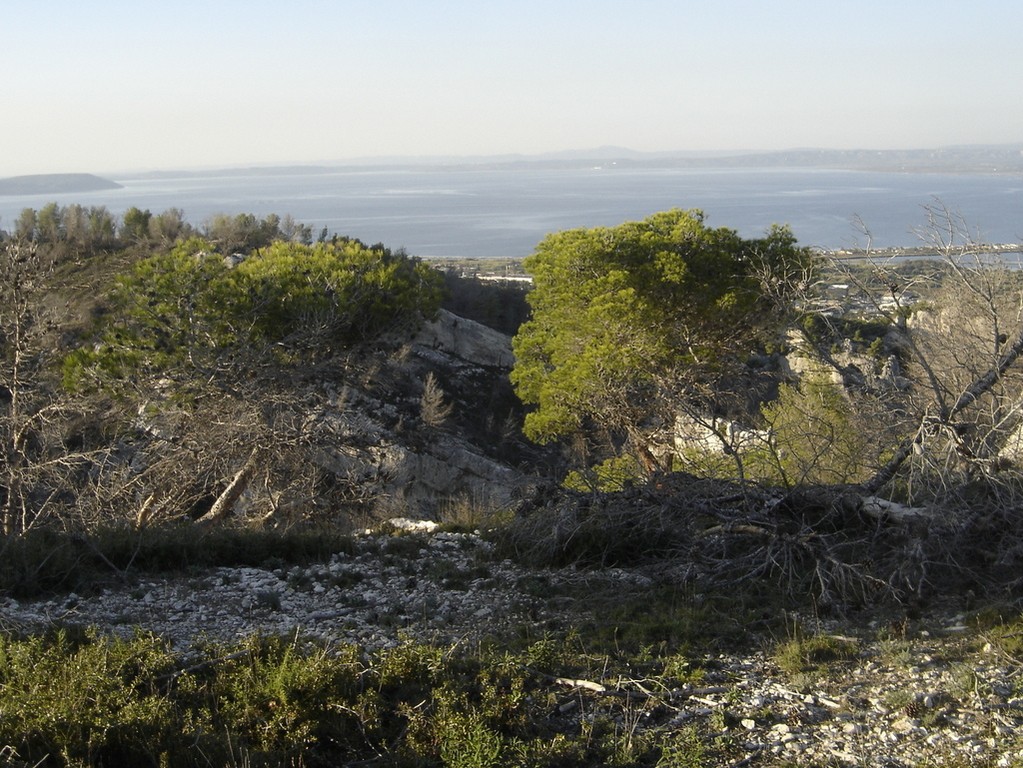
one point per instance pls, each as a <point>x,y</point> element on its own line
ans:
<point>410,427</point>
<point>467,340</point>
<point>418,476</point>
<point>376,435</point>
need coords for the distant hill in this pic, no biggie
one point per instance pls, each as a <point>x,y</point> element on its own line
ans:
<point>980,158</point>
<point>55,183</point>
<point>961,159</point>
<point>1007,158</point>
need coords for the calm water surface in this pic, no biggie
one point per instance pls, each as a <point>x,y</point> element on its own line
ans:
<point>506,212</point>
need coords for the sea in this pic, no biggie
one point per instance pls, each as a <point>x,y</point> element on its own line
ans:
<point>489,212</point>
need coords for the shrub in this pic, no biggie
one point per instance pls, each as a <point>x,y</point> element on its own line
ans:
<point>95,702</point>
<point>280,700</point>
<point>816,436</point>
<point>614,474</point>
<point>189,308</point>
<point>807,654</point>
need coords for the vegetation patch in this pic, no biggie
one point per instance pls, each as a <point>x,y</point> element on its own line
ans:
<point>813,653</point>
<point>47,560</point>
<point>95,701</point>
<point>1005,635</point>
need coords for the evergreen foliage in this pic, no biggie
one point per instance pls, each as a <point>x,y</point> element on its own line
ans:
<point>80,699</point>
<point>190,307</point>
<point>816,437</point>
<point>634,317</point>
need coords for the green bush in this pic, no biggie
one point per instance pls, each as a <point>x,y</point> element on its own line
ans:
<point>283,701</point>
<point>90,703</point>
<point>816,437</point>
<point>808,654</point>
<point>614,474</point>
<point>95,701</point>
<point>190,308</point>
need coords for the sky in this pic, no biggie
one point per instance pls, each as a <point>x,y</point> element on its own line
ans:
<point>116,86</point>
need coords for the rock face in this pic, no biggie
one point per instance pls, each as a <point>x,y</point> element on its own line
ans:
<point>416,477</point>
<point>467,340</point>
<point>374,432</point>
<point>412,426</point>
<point>421,466</point>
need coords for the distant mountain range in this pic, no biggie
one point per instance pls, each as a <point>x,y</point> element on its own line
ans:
<point>1007,158</point>
<point>983,158</point>
<point>962,159</point>
<point>55,183</point>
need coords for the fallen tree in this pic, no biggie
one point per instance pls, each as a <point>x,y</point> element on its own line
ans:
<point>835,544</point>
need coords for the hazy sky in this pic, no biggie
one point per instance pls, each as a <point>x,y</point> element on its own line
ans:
<point>113,85</point>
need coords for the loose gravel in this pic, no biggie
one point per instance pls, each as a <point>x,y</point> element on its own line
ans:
<point>931,694</point>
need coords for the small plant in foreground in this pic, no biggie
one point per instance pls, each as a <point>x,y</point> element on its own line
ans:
<point>899,700</point>
<point>895,651</point>
<point>685,749</point>
<point>1006,636</point>
<point>809,654</point>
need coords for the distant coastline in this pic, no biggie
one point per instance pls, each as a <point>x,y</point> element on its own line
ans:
<point>55,184</point>
<point>964,159</point>
<point>472,210</point>
<point>975,159</point>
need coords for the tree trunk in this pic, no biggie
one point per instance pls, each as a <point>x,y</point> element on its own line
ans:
<point>224,504</point>
<point>980,386</point>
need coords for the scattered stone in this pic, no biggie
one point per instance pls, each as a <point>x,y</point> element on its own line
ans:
<point>858,715</point>
<point>418,526</point>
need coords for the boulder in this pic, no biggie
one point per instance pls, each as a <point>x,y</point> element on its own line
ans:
<point>467,340</point>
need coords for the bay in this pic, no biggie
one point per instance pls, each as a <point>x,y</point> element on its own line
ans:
<point>480,212</point>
